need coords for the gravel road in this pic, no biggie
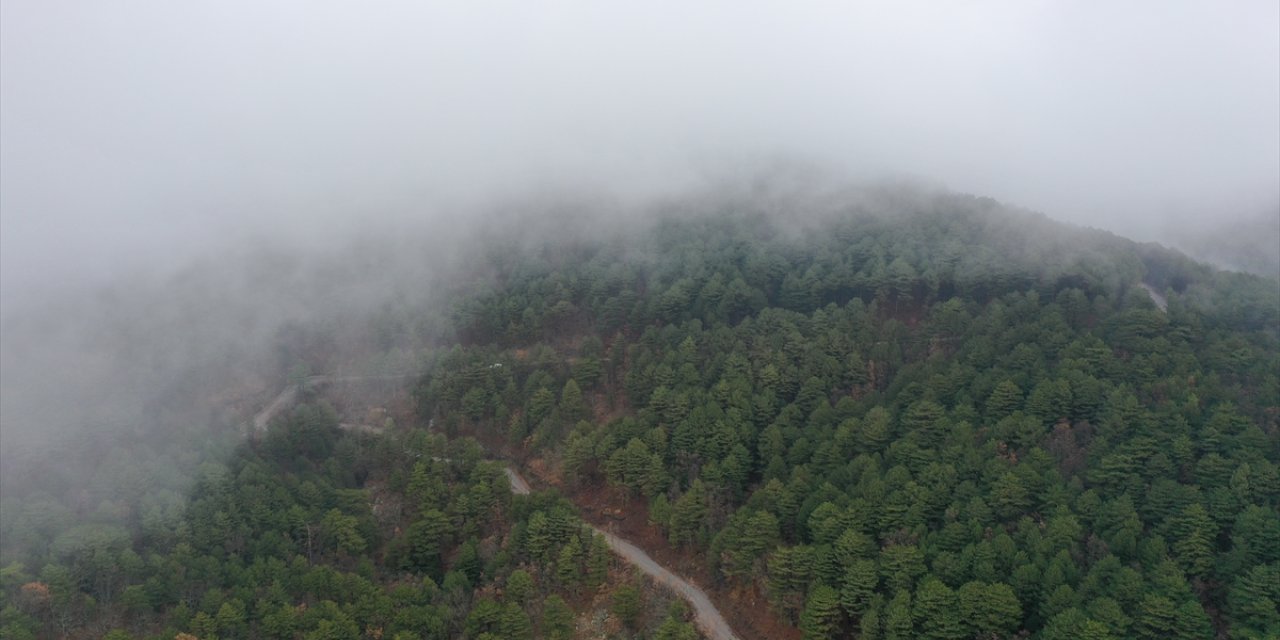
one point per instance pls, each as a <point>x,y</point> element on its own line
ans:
<point>706,615</point>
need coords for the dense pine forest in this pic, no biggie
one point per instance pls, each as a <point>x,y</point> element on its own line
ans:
<point>923,416</point>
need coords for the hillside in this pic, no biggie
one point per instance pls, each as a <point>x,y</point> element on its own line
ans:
<point>948,421</point>
<point>898,415</point>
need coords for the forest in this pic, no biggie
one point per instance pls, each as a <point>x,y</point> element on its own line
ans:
<point>927,417</point>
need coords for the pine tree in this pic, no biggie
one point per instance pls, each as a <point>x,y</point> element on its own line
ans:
<point>989,610</point>
<point>342,533</point>
<point>858,587</point>
<point>790,568</point>
<point>688,514</point>
<point>539,537</point>
<point>557,619</point>
<point>468,561</point>
<point>869,625</point>
<point>1157,618</point>
<point>875,432</point>
<point>821,613</point>
<point>230,620</point>
<point>540,405</point>
<point>572,406</point>
<point>520,587</point>
<point>1009,496</point>
<point>597,561</point>
<point>925,419</point>
<point>514,623</point>
<point>1094,630</point>
<point>1252,602</point>
<point>935,612</point>
<point>427,539</point>
<point>1193,534</point>
<point>577,453</point>
<point>628,605</point>
<point>898,623</point>
<point>569,564</point>
<point>1004,400</point>
<point>853,545</point>
<point>1192,622</point>
<point>900,565</point>
<point>674,629</point>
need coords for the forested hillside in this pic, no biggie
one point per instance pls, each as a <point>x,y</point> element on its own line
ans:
<point>320,534</point>
<point>917,416</point>
<point>950,422</point>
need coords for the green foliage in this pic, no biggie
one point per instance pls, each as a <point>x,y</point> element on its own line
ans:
<point>898,624</point>
<point>989,610</point>
<point>821,613</point>
<point>936,613</point>
<point>956,421</point>
<point>557,619</point>
<point>858,587</point>
<point>869,401</point>
<point>1253,601</point>
<point>628,605</point>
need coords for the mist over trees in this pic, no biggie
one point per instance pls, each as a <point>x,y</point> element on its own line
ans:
<point>286,287</point>
<point>888,411</point>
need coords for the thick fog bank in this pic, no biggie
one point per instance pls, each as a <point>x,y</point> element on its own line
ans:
<point>140,133</point>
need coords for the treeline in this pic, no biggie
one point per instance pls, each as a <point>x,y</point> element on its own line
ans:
<point>956,422</point>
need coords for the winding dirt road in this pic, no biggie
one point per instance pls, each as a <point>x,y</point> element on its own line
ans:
<point>705,614</point>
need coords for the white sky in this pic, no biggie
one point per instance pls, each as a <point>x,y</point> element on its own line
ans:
<point>135,134</point>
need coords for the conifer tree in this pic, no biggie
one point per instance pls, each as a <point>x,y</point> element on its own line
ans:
<point>858,587</point>
<point>821,613</point>
<point>935,612</point>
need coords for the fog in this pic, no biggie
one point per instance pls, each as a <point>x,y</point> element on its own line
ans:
<point>182,185</point>
<point>139,135</point>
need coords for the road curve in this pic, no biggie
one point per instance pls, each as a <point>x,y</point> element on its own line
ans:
<point>281,402</point>
<point>705,615</point>
<point>289,395</point>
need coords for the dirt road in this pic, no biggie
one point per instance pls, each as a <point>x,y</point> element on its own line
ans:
<point>518,484</point>
<point>1156,296</point>
<point>706,616</point>
<point>289,395</point>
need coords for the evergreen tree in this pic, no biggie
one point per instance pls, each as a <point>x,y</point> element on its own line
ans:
<point>858,587</point>
<point>900,565</point>
<point>898,623</point>
<point>1192,622</point>
<point>520,587</point>
<point>821,613</point>
<point>569,564</point>
<point>1157,617</point>
<point>1252,601</point>
<point>628,605</point>
<point>557,619</point>
<point>597,561</point>
<point>515,623</point>
<point>1004,400</point>
<point>989,610</point>
<point>1193,540</point>
<point>688,515</point>
<point>935,612</point>
<point>572,407</point>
